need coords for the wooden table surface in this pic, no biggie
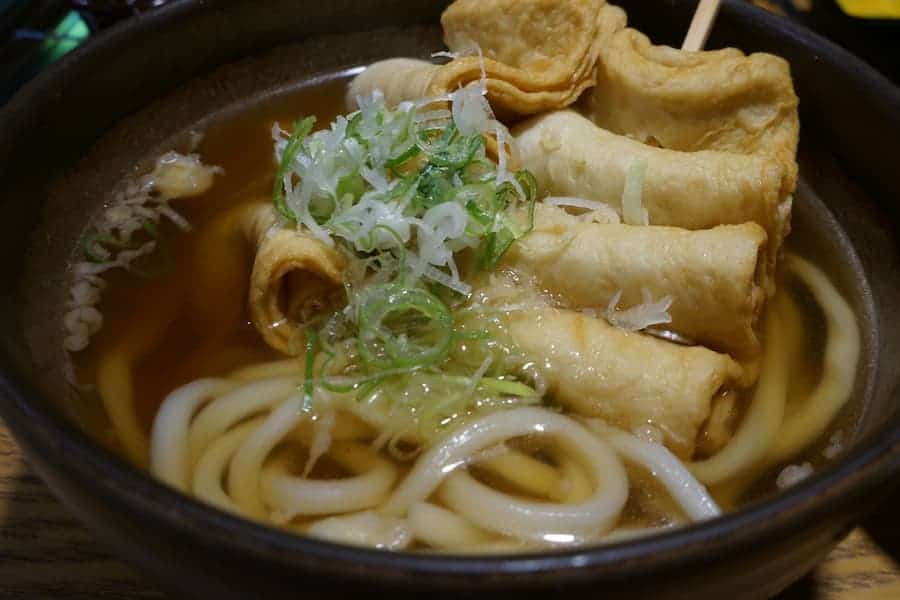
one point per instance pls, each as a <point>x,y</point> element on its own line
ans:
<point>46,553</point>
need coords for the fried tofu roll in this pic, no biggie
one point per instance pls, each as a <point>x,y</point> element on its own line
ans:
<point>538,54</point>
<point>715,100</point>
<point>570,156</point>
<point>399,79</point>
<point>628,379</point>
<point>295,279</point>
<point>535,55</point>
<point>712,276</point>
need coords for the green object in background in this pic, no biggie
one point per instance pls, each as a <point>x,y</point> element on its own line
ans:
<point>871,9</point>
<point>30,50</point>
<point>70,32</point>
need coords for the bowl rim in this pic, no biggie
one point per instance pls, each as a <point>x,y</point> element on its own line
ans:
<point>870,462</point>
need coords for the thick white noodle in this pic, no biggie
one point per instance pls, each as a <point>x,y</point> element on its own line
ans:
<point>218,417</point>
<point>842,350</point>
<point>690,494</point>
<point>169,437</point>
<point>575,485</point>
<point>292,496</point>
<point>246,465</point>
<point>443,529</point>
<point>210,470</point>
<point>812,415</point>
<point>281,368</point>
<point>760,426</point>
<point>364,529</point>
<point>494,511</point>
<point>214,437</point>
<point>525,472</point>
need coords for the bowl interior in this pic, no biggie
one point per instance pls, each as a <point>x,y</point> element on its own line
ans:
<point>114,125</point>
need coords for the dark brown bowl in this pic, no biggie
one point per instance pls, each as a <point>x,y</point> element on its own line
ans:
<point>130,85</point>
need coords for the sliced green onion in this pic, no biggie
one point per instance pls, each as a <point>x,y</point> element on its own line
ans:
<point>301,130</point>
<point>447,133</point>
<point>350,189</point>
<point>529,184</point>
<point>353,129</point>
<point>397,161</point>
<point>506,230</point>
<point>322,208</point>
<point>433,188</point>
<point>151,228</point>
<point>458,155</point>
<point>506,386</point>
<point>88,247</point>
<point>632,207</point>
<point>407,343</point>
<point>479,171</point>
<point>420,335</point>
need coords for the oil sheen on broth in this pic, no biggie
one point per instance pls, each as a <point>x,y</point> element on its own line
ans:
<point>216,337</point>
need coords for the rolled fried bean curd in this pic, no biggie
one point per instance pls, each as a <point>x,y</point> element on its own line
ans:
<point>714,277</point>
<point>712,100</point>
<point>296,278</point>
<point>570,156</point>
<point>628,379</point>
<point>399,79</point>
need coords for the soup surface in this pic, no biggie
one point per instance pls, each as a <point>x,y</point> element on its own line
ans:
<point>516,357</point>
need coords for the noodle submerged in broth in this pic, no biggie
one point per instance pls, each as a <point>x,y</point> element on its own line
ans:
<point>419,329</point>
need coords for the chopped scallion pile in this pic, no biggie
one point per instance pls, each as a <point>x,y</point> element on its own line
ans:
<point>402,193</point>
<point>412,181</point>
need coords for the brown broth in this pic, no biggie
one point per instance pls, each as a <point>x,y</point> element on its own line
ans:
<point>242,146</point>
<point>189,349</point>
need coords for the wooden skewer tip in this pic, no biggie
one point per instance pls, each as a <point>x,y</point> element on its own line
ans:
<point>701,24</point>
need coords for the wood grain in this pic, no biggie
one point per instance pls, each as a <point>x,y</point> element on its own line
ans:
<point>46,553</point>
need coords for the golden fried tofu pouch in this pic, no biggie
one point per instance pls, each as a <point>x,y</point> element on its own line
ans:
<point>714,100</point>
<point>628,379</point>
<point>536,55</point>
<point>295,278</point>
<point>399,79</point>
<point>713,276</point>
<point>570,156</point>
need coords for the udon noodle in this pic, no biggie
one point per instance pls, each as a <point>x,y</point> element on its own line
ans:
<point>440,333</point>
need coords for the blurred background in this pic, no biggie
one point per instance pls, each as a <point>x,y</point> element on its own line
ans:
<point>34,33</point>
